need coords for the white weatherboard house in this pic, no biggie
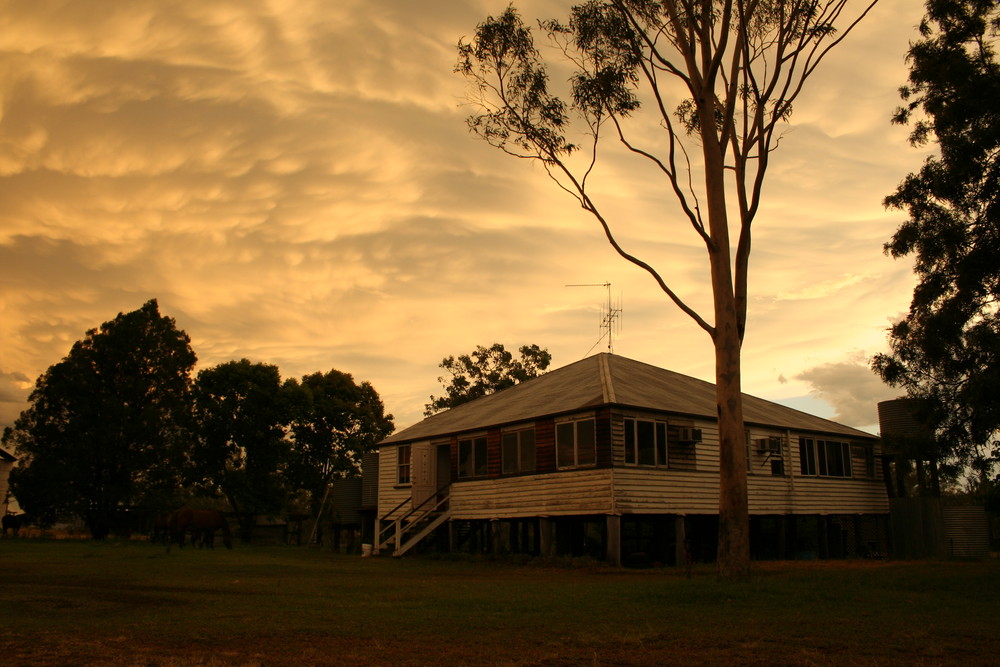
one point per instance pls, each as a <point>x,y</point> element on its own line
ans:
<point>616,459</point>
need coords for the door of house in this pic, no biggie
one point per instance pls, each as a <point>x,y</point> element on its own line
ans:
<point>422,475</point>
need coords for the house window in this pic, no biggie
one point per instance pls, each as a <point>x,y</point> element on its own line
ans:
<point>518,451</point>
<point>575,444</point>
<point>472,457</point>
<point>826,458</point>
<point>403,464</point>
<point>645,442</point>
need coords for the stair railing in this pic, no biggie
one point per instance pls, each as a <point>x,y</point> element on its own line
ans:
<point>395,531</point>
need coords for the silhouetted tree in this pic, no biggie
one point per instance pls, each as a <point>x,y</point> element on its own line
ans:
<point>484,371</point>
<point>108,428</point>
<point>335,422</point>
<point>242,450</point>
<point>947,349</point>
<point>719,77</point>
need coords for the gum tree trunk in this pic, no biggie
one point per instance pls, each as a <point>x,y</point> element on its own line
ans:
<point>733,557</point>
<point>734,538</point>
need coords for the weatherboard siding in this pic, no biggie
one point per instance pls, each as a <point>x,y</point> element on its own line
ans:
<point>656,491</point>
<point>638,490</point>
<point>707,450</point>
<point>825,495</point>
<point>545,445</point>
<point>584,491</point>
<point>389,493</point>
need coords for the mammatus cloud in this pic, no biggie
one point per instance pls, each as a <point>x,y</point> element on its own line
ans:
<point>851,387</point>
<point>823,289</point>
<point>14,390</point>
<point>295,183</point>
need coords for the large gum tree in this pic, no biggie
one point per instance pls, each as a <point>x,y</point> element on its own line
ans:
<point>719,77</point>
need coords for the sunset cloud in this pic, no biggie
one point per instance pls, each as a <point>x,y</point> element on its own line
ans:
<point>295,183</point>
<point>851,388</point>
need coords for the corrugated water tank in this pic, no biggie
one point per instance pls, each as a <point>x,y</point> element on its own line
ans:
<point>967,532</point>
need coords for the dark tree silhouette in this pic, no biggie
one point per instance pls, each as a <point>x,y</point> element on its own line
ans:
<point>947,349</point>
<point>242,450</point>
<point>484,371</point>
<point>108,427</point>
<point>335,422</point>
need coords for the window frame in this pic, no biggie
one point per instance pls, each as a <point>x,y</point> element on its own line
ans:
<point>475,465</point>
<point>404,462</point>
<point>589,432</point>
<point>660,449</point>
<point>825,458</point>
<point>521,447</point>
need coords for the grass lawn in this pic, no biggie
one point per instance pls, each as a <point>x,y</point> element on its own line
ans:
<point>130,603</point>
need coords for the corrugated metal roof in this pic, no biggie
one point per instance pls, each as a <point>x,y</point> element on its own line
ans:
<point>608,379</point>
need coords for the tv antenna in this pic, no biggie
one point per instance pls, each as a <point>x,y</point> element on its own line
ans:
<point>609,317</point>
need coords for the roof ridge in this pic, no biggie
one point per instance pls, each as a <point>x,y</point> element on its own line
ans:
<point>607,380</point>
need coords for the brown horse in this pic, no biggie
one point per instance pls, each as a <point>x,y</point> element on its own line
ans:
<point>199,522</point>
<point>161,527</point>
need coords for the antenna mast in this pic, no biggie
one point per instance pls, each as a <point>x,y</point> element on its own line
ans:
<point>608,321</point>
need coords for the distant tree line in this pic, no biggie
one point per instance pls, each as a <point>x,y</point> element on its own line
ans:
<point>122,425</point>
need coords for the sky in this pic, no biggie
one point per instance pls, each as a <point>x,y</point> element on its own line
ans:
<point>294,182</point>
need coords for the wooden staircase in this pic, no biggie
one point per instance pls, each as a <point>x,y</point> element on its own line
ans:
<point>399,530</point>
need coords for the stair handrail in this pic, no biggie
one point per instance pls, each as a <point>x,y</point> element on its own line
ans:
<point>393,510</point>
<point>397,525</point>
<point>429,498</point>
<point>419,530</point>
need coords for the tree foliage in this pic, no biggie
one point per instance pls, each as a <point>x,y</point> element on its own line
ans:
<point>484,371</point>
<point>242,451</point>
<point>118,428</point>
<point>108,427</point>
<point>719,77</point>
<point>335,422</point>
<point>947,349</point>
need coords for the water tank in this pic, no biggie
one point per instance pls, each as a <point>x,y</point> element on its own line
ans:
<point>967,530</point>
<point>902,429</point>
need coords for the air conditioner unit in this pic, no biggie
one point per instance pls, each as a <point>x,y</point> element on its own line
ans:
<point>771,446</point>
<point>688,435</point>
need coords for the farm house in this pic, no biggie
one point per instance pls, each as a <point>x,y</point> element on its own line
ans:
<point>618,460</point>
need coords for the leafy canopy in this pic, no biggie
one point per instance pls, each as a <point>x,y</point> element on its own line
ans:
<point>118,428</point>
<point>947,349</point>
<point>108,427</point>
<point>242,451</point>
<point>335,422</point>
<point>484,371</point>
